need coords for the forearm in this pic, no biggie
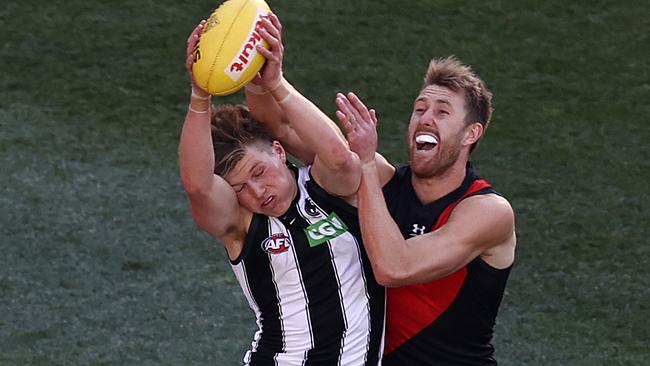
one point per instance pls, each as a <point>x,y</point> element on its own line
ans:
<point>382,238</point>
<point>312,126</point>
<point>266,110</point>
<point>196,156</point>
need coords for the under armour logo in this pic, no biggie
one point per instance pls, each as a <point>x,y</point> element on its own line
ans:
<point>417,230</point>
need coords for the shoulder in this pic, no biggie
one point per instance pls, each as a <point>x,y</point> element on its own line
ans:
<point>491,200</point>
<point>488,222</point>
<point>398,177</point>
<point>489,207</point>
<point>401,171</point>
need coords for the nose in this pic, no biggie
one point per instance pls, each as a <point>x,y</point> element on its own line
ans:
<point>427,118</point>
<point>256,189</point>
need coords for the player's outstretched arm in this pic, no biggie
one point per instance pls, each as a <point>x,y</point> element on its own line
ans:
<point>210,195</point>
<point>335,167</point>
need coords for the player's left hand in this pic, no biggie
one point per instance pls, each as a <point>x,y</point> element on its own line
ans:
<point>271,31</point>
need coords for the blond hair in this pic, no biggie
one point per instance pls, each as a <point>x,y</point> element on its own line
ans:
<point>234,129</point>
<point>450,73</point>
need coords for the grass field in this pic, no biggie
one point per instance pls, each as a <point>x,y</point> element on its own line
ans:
<point>102,265</point>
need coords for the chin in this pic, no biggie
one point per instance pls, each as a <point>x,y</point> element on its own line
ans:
<point>276,211</point>
<point>422,166</point>
<point>424,171</point>
<point>430,169</point>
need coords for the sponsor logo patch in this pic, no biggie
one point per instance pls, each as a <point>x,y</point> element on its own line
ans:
<point>325,229</point>
<point>247,52</point>
<point>276,244</point>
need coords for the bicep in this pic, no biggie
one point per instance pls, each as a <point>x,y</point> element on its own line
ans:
<point>476,225</point>
<point>343,181</point>
<point>217,210</point>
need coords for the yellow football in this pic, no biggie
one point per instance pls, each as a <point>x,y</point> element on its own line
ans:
<point>226,58</point>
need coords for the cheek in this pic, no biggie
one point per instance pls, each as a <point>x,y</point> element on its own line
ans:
<point>412,122</point>
<point>278,184</point>
<point>410,130</point>
<point>245,200</point>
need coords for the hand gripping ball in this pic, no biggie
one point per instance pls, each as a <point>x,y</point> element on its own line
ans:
<point>226,58</point>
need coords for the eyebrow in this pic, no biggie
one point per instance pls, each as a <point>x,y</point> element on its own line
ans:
<point>249,170</point>
<point>257,163</point>
<point>438,100</point>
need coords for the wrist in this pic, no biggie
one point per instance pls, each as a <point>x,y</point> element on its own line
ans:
<point>198,111</point>
<point>255,89</point>
<point>368,166</point>
<point>281,91</point>
<point>198,93</point>
<point>199,105</point>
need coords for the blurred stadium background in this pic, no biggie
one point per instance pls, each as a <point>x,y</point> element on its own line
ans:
<point>101,264</point>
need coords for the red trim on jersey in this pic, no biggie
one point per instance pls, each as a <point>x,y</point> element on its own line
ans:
<point>420,305</point>
<point>476,186</point>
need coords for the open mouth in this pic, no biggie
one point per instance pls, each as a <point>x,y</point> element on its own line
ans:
<point>425,142</point>
<point>268,201</point>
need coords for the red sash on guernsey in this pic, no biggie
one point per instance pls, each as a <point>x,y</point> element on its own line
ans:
<point>420,305</point>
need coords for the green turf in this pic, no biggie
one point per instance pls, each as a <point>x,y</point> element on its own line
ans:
<point>102,265</point>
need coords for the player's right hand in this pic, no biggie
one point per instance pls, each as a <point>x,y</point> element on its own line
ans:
<point>192,55</point>
<point>360,125</point>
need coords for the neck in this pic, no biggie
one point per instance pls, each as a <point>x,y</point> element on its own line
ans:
<point>294,185</point>
<point>433,188</point>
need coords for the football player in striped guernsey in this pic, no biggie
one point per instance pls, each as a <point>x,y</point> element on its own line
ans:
<point>291,234</point>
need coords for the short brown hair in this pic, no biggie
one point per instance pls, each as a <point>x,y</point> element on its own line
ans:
<point>451,73</point>
<point>233,129</point>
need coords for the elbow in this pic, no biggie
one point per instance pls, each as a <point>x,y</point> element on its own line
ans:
<point>388,276</point>
<point>342,159</point>
<point>342,155</point>
<point>195,188</point>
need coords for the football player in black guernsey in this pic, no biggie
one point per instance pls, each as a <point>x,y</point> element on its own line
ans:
<point>438,235</point>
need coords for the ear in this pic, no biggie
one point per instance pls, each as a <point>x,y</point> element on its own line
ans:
<point>279,150</point>
<point>473,133</point>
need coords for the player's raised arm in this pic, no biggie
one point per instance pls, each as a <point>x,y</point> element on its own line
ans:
<point>335,167</point>
<point>209,194</point>
<point>265,109</point>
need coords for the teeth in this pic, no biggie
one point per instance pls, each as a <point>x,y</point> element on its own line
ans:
<point>426,139</point>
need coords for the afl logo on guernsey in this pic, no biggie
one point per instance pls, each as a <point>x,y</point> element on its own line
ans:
<point>276,244</point>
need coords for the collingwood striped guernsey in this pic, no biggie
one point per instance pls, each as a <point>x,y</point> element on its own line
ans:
<point>308,280</point>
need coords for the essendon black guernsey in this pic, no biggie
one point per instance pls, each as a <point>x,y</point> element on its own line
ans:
<point>448,321</point>
<point>309,282</point>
